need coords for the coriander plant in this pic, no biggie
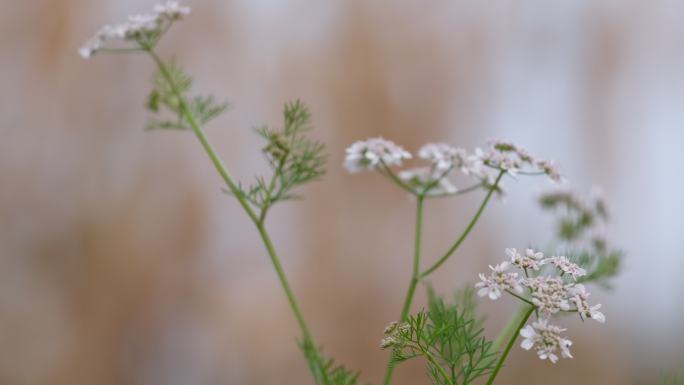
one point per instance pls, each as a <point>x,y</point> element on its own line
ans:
<point>448,335</point>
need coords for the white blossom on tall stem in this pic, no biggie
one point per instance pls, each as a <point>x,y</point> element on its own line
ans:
<point>369,154</point>
<point>546,339</point>
<point>498,281</point>
<point>579,296</point>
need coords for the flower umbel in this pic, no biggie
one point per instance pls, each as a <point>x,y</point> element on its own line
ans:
<point>549,292</point>
<point>531,260</point>
<point>142,29</point>
<point>498,281</point>
<point>564,266</point>
<point>546,339</point>
<point>579,295</point>
<point>513,159</point>
<point>371,153</point>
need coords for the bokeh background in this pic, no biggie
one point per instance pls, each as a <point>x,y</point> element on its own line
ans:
<point>122,262</point>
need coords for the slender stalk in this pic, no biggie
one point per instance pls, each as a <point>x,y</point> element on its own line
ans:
<point>285,283</point>
<point>459,192</point>
<point>527,301</point>
<point>439,367</point>
<point>223,171</point>
<point>415,277</point>
<point>199,133</point>
<point>511,341</point>
<point>467,230</point>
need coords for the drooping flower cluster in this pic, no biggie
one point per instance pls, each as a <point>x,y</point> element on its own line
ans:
<point>444,159</point>
<point>550,292</point>
<point>137,27</point>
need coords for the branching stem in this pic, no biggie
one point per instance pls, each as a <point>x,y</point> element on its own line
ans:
<point>467,230</point>
<point>415,277</point>
<point>235,190</point>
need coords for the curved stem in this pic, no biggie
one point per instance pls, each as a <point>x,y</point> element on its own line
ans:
<point>467,229</point>
<point>415,277</point>
<point>504,355</point>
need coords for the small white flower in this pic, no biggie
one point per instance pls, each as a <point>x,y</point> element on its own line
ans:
<point>564,266</point>
<point>548,294</point>
<point>370,153</point>
<point>579,296</point>
<point>531,260</point>
<point>498,281</point>
<point>546,339</point>
<point>172,9</point>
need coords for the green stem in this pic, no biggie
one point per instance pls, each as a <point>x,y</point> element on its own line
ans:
<point>511,341</point>
<point>467,229</point>
<point>284,283</point>
<point>415,277</point>
<point>222,170</point>
<point>439,367</point>
<point>199,133</point>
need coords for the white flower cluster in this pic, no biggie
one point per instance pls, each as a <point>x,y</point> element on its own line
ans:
<point>135,27</point>
<point>547,339</point>
<point>548,293</point>
<point>513,159</point>
<point>374,152</point>
<point>443,160</point>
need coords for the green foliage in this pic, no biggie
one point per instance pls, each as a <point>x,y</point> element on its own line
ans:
<point>577,222</point>
<point>449,337</point>
<point>600,267</point>
<point>673,379</point>
<point>579,216</point>
<point>294,159</point>
<point>325,371</point>
<point>170,87</point>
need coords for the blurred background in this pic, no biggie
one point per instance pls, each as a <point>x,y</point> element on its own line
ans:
<point>122,262</point>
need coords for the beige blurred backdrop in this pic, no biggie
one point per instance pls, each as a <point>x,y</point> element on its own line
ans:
<point>122,262</point>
